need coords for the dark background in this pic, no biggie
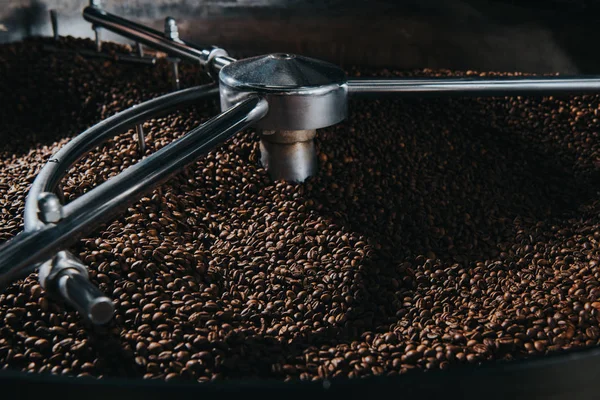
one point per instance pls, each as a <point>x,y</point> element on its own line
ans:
<point>527,35</point>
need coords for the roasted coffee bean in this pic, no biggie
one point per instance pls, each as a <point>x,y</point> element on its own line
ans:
<point>436,232</point>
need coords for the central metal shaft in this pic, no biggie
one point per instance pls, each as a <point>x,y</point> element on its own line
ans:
<point>289,155</point>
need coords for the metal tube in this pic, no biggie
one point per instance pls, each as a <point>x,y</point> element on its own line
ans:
<point>100,204</point>
<point>476,87</point>
<point>151,37</point>
<point>51,174</point>
<point>98,38</point>
<point>139,129</point>
<point>175,72</point>
<point>289,155</point>
<point>54,22</point>
<point>87,299</point>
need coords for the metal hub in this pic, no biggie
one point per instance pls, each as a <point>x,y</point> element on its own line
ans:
<point>303,94</point>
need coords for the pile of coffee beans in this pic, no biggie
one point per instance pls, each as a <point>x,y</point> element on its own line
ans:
<point>437,232</point>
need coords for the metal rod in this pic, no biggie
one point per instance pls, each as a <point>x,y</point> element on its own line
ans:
<point>175,72</point>
<point>140,49</point>
<point>87,299</point>
<point>54,22</point>
<point>139,129</point>
<point>58,165</point>
<point>101,204</point>
<point>444,87</point>
<point>64,275</point>
<point>98,38</point>
<point>150,37</point>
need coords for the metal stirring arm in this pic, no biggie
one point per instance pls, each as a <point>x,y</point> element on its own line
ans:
<point>45,236</point>
<point>475,87</point>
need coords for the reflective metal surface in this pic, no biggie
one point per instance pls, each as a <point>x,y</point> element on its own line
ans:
<point>50,208</point>
<point>475,86</point>
<point>303,93</point>
<point>87,299</point>
<point>289,155</point>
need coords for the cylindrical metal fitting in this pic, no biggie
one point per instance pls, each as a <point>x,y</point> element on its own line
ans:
<point>65,275</point>
<point>87,299</point>
<point>289,155</point>
<point>50,270</point>
<point>50,208</point>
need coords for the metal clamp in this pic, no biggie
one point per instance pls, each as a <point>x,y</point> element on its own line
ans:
<point>66,276</point>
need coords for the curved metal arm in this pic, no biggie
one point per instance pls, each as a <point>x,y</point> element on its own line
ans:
<point>475,87</point>
<point>103,202</point>
<point>49,177</point>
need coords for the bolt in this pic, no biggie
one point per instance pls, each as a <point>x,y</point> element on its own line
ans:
<point>171,30</point>
<point>50,209</point>
<point>98,39</point>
